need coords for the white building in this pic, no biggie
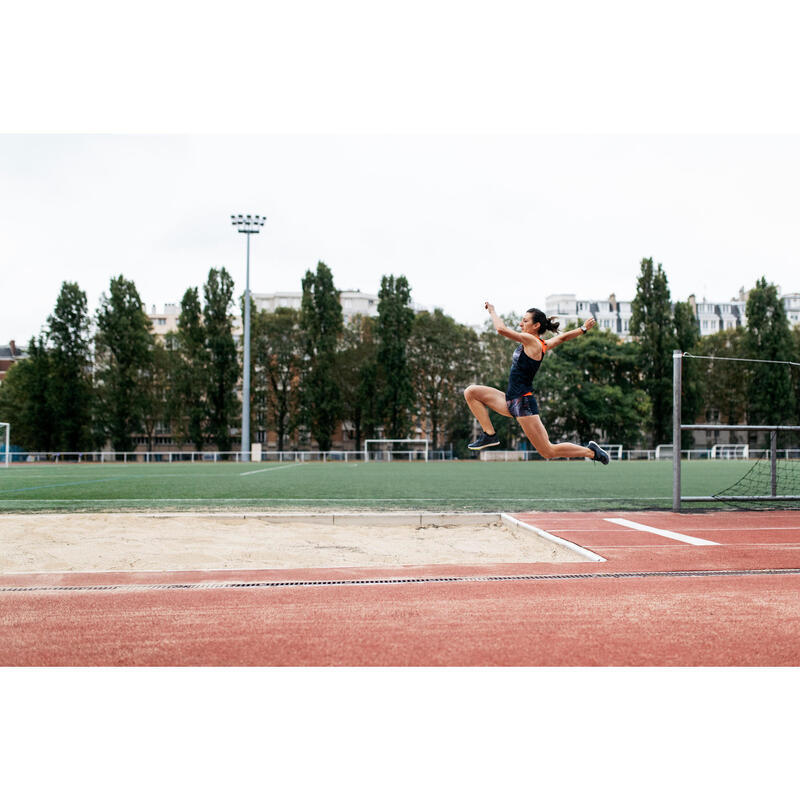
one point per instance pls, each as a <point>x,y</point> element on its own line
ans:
<point>353,302</point>
<point>615,315</point>
<point>791,303</point>
<point>611,314</point>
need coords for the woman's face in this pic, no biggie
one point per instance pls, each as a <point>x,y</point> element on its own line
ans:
<point>527,324</point>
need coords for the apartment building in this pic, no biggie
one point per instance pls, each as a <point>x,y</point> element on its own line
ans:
<point>611,314</point>
<point>615,315</point>
<point>10,354</point>
<point>353,302</point>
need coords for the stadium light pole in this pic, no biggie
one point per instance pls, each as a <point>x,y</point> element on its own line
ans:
<point>247,224</point>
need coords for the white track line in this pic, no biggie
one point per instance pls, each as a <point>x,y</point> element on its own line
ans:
<point>661,532</point>
<point>512,521</point>
<point>267,469</point>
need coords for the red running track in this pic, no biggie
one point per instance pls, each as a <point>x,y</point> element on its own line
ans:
<point>637,618</point>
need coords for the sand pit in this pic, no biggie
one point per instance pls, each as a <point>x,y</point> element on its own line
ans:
<point>141,542</point>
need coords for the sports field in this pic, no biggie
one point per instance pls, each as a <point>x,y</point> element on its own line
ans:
<point>433,486</point>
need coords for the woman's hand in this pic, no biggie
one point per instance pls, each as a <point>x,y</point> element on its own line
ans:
<point>590,323</point>
<point>489,307</point>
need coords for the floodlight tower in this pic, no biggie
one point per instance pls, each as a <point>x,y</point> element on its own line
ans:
<point>247,224</point>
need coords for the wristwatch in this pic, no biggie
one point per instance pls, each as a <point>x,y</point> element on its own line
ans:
<point>583,328</point>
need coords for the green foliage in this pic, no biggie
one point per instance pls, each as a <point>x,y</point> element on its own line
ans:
<point>441,355</point>
<point>395,322</point>
<point>222,372</point>
<point>189,367</point>
<point>70,385</point>
<point>588,389</point>
<point>357,375</point>
<point>156,391</point>
<point>25,399</point>
<point>724,383</point>
<point>651,322</point>
<point>687,336</point>
<point>768,337</point>
<point>321,320</point>
<point>123,351</point>
<point>278,350</point>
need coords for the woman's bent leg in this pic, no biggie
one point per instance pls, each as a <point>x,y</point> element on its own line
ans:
<point>479,397</point>
<point>535,431</point>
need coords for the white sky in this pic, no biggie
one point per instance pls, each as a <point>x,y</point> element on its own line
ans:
<point>465,218</point>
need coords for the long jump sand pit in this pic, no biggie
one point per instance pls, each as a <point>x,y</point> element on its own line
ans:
<point>158,542</point>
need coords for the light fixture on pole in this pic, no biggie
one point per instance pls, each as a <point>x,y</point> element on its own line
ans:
<point>247,224</point>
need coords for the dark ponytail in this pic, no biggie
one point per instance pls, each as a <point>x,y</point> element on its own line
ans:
<point>545,323</point>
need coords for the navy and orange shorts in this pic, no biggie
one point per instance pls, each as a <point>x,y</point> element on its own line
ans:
<point>525,406</point>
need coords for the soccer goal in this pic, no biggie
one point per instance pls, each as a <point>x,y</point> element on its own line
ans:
<point>393,449</point>
<point>614,451</point>
<point>766,480</point>
<point>729,451</point>
<point>5,437</point>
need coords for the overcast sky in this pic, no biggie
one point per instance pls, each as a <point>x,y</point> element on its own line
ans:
<point>466,218</point>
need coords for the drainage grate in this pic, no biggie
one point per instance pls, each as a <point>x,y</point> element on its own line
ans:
<point>130,587</point>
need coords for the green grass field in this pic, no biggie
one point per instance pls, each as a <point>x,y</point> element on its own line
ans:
<point>436,486</point>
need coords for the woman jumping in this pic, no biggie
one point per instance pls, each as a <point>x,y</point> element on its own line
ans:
<point>518,401</point>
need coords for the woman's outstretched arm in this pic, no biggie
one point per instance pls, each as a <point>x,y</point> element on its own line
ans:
<point>567,335</point>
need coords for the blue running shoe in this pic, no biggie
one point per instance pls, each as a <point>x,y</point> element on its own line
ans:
<point>599,454</point>
<point>484,440</point>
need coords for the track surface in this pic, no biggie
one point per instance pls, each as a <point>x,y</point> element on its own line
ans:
<point>637,618</point>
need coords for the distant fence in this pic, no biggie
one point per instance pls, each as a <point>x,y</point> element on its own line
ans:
<point>347,456</point>
<point>212,456</point>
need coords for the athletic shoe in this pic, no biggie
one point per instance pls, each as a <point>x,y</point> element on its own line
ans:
<point>599,454</point>
<point>484,440</point>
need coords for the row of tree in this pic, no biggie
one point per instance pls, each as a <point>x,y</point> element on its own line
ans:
<point>90,381</point>
<point>744,375</point>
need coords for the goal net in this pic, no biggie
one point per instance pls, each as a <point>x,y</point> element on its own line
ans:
<point>396,449</point>
<point>768,481</point>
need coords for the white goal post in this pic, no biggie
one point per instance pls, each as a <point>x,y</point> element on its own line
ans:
<point>614,451</point>
<point>398,451</point>
<point>5,436</point>
<point>730,451</point>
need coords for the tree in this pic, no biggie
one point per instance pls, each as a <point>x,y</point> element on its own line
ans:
<point>278,349</point>
<point>187,399</point>
<point>651,322</point>
<point>441,355</point>
<point>155,389</point>
<point>70,386</point>
<point>222,371</point>
<point>395,322</point>
<point>768,338</point>
<point>123,351</point>
<point>357,376</point>
<point>25,399</point>
<point>724,388</point>
<point>687,336</point>
<point>588,389</point>
<point>321,320</point>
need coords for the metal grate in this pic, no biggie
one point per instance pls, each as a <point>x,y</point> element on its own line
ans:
<point>128,587</point>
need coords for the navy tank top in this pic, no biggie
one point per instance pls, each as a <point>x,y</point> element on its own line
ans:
<point>523,368</point>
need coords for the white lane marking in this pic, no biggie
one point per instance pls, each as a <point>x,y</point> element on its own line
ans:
<point>511,520</point>
<point>660,532</point>
<point>267,469</point>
